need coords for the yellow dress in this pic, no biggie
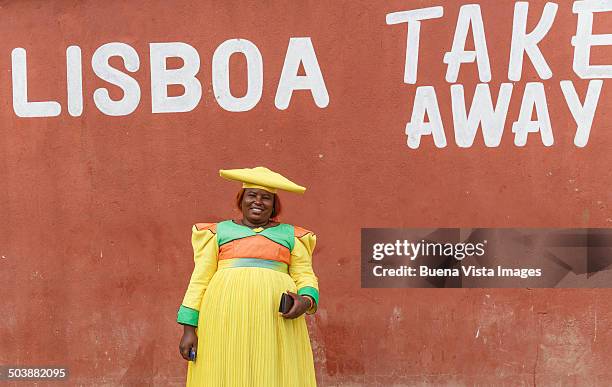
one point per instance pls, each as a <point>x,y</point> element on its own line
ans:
<point>233,298</point>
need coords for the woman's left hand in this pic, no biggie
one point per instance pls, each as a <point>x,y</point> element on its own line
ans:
<point>300,305</point>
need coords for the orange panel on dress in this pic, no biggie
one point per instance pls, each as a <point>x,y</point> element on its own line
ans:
<point>300,232</point>
<point>255,247</point>
<point>207,226</point>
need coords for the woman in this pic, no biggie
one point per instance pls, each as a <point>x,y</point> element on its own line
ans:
<point>230,311</point>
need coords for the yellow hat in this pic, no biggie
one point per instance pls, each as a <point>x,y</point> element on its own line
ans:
<point>262,178</point>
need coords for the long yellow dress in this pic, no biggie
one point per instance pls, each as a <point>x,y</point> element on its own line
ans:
<point>233,298</point>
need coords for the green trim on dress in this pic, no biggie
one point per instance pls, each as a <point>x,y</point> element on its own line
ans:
<point>253,262</point>
<point>312,292</point>
<point>187,316</point>
<point>228,231</point>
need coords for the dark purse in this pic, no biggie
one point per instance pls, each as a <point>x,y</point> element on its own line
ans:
<point>286,303</point>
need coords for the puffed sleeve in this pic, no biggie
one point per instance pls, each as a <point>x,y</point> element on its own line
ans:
<point>300,268</point>
<point>205,252</point>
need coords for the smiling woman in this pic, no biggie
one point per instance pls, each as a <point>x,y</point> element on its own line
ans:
<point>234,334</point>
<point>246,201</point>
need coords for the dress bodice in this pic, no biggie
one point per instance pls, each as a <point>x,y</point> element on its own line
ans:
<point>239,241</point>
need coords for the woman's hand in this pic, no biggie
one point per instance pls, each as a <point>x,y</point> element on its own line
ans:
<point>300,305</point>
<point>188,341</point>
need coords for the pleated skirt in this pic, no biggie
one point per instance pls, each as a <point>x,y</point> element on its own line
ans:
<point>242,339</point>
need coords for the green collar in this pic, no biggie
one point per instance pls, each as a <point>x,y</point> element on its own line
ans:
<point>283,234</point>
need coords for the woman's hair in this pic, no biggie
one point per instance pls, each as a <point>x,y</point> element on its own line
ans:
<point>275,211</point>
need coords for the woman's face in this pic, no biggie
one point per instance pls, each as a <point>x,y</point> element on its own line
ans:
<point>257,205</point>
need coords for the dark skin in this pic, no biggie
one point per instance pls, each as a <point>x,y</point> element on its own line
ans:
<point>257,206</point>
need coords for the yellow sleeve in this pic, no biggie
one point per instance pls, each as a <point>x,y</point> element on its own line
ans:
<point>205,252</point>
<point>301,271</point>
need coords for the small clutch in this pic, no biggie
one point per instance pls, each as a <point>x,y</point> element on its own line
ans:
<point>286,303</point>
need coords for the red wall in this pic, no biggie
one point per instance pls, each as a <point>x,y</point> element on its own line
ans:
<point>96,210</point>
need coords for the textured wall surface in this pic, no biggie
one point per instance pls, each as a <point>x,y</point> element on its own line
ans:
<point>96,210</point>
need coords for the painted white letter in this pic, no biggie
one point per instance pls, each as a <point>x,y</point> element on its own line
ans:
<point>468,15</point>
<point>482,113</point>
<point>131,89</point>
<point>425,102</point>
<point>220,75</point>
<point>413,18</point>
<point>21,105</point>
<point>523,42</point>
<point>161,77</point>
<point>74,81</point>
<point>534,95</point>
<point>301,50</point>
<point>584,39</point>
<point>583,114</point>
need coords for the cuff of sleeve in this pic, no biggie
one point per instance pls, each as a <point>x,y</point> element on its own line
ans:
<point>187,316</point>
<point>312,292</point>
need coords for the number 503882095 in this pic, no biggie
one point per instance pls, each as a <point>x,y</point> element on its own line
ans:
<point>32,373</point>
